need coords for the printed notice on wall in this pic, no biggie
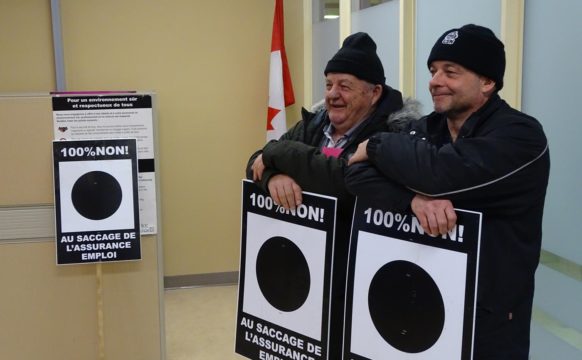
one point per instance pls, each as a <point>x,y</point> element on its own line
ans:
<point>83,116</point>
<point>96,201</point>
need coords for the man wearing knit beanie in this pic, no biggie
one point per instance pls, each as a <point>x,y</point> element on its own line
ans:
<point>312,155</point>
<point>474,47</point>
<point>358,57</point>
<point>473,152</point>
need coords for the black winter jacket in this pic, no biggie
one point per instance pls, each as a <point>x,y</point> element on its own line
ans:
<point>499,165</point>
<point>297,153</point>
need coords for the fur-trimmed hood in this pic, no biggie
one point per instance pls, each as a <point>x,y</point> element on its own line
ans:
<point>398,120</point>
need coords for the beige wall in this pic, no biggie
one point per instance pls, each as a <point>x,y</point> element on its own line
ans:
<point>51,312</point>
<point>27,57</point>
<point>207,61</point>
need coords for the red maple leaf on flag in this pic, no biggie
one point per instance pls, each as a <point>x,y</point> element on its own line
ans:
<point>270,115</point>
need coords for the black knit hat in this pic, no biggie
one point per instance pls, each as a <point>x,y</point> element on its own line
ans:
<point>474,47</point>
<point>358,57</point>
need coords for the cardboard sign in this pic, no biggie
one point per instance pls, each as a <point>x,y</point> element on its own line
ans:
<point>285,277</point>
<point>410,296</point>
<point>96,201</point>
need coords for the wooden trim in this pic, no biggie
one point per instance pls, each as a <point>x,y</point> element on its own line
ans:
<point>407,51</point>
<point>307,54</point>
<point>345,20</point>
<point>512,25</point>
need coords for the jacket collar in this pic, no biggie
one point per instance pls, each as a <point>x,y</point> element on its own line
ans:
<point>478,116</point>
<point>438,122</point>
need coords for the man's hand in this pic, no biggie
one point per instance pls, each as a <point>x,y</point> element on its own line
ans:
<point>285,191</point>
<point>436,216</point>
<point>258,167</point>
<point>360,155</point>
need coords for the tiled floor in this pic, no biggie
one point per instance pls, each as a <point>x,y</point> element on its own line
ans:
<point>200,323</point>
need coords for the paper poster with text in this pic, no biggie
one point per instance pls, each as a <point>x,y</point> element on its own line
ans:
<point>96,201</point>
<point>110,115</point>
<point>410,296</point>
<point>285,277</point>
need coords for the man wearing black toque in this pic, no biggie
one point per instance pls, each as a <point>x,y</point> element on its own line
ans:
<point>478,153</point>
<point>312,155</point>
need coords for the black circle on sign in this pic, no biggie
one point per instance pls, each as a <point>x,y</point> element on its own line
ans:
<point>96,195</point>
<point>406,306</point>
<point>283,274</point>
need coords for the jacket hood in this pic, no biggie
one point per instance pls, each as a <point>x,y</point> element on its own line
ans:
<point>398,120</point>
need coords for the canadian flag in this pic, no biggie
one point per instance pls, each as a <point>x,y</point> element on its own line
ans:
<point>280,87</point>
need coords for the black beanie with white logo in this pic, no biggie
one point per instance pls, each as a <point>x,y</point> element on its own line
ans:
<point>474,47</point>
<point>358,57</point>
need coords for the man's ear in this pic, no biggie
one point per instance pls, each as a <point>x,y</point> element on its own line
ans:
<point>376,93</point>
<point>487,85</point>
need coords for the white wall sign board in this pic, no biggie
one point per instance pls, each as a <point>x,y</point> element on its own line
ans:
<point>410,296</point>
<point>96,201</point>
<point>84,116</point>
<point>285,277</point>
